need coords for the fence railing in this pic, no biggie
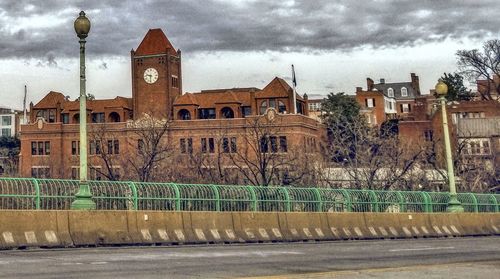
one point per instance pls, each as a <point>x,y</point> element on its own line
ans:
<point>51,194</point>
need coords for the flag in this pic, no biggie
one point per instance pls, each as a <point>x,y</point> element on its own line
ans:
<point>294,80</point>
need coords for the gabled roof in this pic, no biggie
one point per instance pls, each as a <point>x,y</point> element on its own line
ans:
<point>99,105</point>
<point>229,98</point>
<point>186,99</point>
<point>155,42</point>
<point>277,88</point>
<point>50,100</point>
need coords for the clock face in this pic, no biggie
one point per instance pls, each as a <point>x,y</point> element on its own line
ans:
<point>150,75</point>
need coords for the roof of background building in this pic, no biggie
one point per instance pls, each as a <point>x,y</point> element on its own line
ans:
<point>155,42</point>
<point>397,89</point>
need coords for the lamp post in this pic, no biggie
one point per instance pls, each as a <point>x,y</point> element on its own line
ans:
<point>453,204</point>
<point>84,196</point>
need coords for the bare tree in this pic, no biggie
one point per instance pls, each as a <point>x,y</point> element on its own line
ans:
<point>150,148</point>
<point>482,65</point>
<point>103,145</point>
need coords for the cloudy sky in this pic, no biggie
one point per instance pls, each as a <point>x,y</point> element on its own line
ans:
<point>334,44</point>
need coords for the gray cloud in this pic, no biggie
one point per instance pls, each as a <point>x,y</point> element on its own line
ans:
<point>38,29</point>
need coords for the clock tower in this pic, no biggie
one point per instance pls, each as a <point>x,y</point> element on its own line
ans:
<point>156,76</point>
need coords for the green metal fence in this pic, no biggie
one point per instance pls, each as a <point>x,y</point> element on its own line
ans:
<point>51,194</point>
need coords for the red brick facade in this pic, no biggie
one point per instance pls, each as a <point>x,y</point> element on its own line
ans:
<point>49,145</point>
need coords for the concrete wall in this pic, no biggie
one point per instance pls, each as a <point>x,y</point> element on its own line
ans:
<point>19,229</point>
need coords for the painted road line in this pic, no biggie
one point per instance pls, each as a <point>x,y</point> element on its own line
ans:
<point>421,249</point>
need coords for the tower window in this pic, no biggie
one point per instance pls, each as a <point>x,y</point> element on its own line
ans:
<point>175,82</point>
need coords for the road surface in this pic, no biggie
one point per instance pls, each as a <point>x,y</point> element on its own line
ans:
<point>411,258</point>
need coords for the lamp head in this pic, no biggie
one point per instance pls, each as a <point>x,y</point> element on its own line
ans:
<point>441,88</point>
<point>82,26</point>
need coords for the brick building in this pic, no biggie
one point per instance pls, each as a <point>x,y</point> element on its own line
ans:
<point>204,123</point>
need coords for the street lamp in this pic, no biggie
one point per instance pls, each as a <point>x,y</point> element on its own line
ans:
<point>453,204</point>
<point>84,196</point>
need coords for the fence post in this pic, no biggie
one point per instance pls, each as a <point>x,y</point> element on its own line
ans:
<point>254,196</point>
<point>287,197</point>
<point>177,197</point>
<point>134,194</point>
<point>37,193</point>
<point>217,196</point>
<point>428,201</point>
<point>474,200</point>
<point>319,208</point>
<point>347,198</point>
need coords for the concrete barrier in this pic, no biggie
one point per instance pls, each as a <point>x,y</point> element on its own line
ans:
<point>257,226</point>
<point>300,226</point>
<point>415,225</point>
<point>446,224</point>
<point>34,229</point>
<point>474,224</point>
<point>157,227</point>
<point>92,228</point>
<point>346,225</point>
<point>213,227</point>
<point>493,221</point>
<point>383,225</point>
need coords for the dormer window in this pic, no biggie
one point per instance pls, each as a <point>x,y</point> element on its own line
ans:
<point>404,92</point>
<point>390,92</point>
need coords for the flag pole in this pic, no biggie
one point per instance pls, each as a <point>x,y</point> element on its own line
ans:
<point>294,82</point>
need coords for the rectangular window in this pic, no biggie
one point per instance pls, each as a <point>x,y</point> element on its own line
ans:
<point>283,144</point>
<point>6,120</point>
<point>65,118</point>
<point>40,148</point>
<point>34,150</point>
<point>40,172</point>
<point>206,113</point>
<point>486,147</point>
<point>370,103</point>
<point>225,145</point>
<point>110,146</point>
<point>6,132</point>
<point>91,147</point>
<point>75,147</point>
<point>203,145</point>
<point>190,145</point>
<point>274,144</point>
<point>47,148</point>
<point>272,103</point>
<point>183,145</point>
<point>52,116</point>
<point>428,135</point>
<point>75,172</point>
<point>95,173</point>
<point>98,117</point>
<point>175,82</point>
<point>264,146</point>
<point>207,145</point>
<point>246,111</point>
<point>116,144</point>
<point>211,145</point>
<point>233,145</point>
<point>405,108</point>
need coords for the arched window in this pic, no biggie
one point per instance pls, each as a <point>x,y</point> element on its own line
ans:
<point>226,112</point>
<point>390,92</point>
<point>114,117</point>
<point>263,107</point>
<point>184,114</point>
<point>404,92</point>
<point>281,107</point>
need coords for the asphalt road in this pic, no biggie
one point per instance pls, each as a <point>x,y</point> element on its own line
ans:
<point>419,258</point>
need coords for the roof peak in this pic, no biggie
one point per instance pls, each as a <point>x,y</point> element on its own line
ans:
<point>155,42</point>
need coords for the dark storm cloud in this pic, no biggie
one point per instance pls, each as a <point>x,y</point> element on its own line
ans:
<point>38,28</point>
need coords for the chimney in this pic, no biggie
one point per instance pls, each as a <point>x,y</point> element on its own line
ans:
<point>415,83</point>
<point>369,84</point>
<point>359,89</point>
<point>382,81</point>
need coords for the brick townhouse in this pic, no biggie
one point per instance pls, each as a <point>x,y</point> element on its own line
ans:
<point>197,120</point>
